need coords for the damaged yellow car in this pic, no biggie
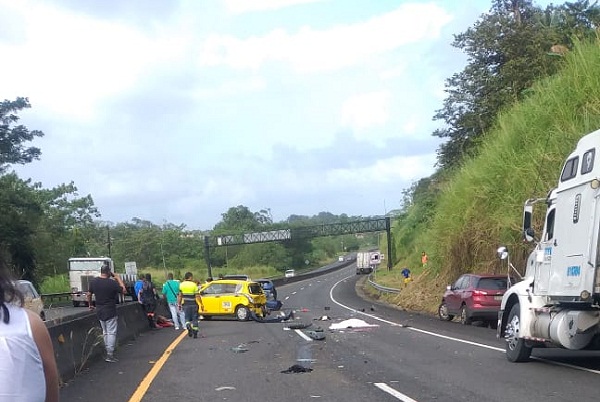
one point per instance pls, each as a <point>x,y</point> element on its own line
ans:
<point>231,297</point>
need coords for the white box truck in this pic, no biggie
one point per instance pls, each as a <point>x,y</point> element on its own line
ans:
<point>366,261</point>
<point>557,303</point>
<point>81,272</point>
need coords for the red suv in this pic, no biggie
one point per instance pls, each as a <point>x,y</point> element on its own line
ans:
<point>474,297</point>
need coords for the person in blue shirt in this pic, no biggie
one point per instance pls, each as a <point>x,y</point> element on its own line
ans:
<point>406,274</point>
<point>138,286</point>
<point>170,290</point>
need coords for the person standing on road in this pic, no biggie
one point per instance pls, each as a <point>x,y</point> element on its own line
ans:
<point>170,291</point>
<point>28,369</point>
<point>189,298</point>
<point>106,291</point>
<point>148,296</point>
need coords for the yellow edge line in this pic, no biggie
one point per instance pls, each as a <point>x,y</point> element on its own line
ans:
<point>147,381</point>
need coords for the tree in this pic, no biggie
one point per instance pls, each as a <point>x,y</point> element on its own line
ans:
<point>21,213</point>
<point>508,49</point>
<point>13,137</point>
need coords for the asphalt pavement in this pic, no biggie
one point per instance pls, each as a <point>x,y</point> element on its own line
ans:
<point>104,381</point>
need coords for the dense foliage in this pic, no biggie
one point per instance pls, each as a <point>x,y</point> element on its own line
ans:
<point>474,201</point>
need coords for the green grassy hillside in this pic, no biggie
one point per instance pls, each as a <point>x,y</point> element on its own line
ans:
<point>479,207</point>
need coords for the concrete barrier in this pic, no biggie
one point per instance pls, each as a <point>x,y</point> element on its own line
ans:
<point>79,341</point>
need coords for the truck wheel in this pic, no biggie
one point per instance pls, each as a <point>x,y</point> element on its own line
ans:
<point>516,349</point>
<point>443,312</point>
<point>464,316</point>
<point>242,313</point>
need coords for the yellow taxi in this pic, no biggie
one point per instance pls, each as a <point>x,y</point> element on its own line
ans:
<point>239,298</point>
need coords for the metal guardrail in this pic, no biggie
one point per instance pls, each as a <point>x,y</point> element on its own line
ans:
<point>382,288</point>
<point>56,298</point>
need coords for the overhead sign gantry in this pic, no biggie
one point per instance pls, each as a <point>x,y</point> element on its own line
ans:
<point>330,229</point>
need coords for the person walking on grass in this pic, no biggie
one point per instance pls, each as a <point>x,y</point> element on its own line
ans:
<point>170,291</point>
<point>107,288</point>
<point>190,301</point>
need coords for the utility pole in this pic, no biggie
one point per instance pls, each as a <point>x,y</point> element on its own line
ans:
<point>108,241</point>
<point>207,256</point>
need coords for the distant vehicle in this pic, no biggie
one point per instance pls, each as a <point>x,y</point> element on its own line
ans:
<point>83,270</point>
<point>240,277</point>
<point>290,273</point>
<point>341,258</point>
<point>474,298</point>
<point>269,288</point>
<point>232,297</point>
<point>33,300</point>
<point>366,261</point>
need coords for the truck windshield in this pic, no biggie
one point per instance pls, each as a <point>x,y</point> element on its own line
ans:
<point>85,265</point>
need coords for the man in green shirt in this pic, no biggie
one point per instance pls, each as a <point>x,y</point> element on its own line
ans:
<point>170,291</point>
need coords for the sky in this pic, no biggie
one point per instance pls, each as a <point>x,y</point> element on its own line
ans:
<point>176,111</point>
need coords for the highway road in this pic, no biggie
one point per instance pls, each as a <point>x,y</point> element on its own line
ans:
<point>387,355</point>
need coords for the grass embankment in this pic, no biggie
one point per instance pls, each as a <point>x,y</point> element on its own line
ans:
<point>479,206</point>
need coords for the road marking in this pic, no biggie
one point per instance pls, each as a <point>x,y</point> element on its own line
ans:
<point>147,381</point>
<point>303,335</point>
<point>399,395</point>
<point>481,345</point>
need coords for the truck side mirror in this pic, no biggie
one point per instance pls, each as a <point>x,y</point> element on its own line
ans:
<point>502,253</point>
<point>529,235</point>
<point>528,232</point>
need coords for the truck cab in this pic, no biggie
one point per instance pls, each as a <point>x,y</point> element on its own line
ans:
<point>558,301</point>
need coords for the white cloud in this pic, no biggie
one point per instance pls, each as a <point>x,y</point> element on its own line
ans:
<point>71,61</point>
<point>391,170</point>
<point>244,6</point>
<point>311,50</point>
<point>231,88</point>
<point>366,110</point>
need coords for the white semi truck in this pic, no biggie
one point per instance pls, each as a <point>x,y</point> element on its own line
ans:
<point>557,303</point>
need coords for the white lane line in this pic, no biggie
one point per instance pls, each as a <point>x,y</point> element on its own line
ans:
<point>398,395</point>
<point>450,338</point>
<point>303,335</point>
<point>481,345</point>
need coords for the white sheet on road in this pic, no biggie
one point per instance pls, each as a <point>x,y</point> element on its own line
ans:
<point>351,323</point>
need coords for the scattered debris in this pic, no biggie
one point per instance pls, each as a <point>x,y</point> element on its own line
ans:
<point>299,325</point>
<point>224,388</point>
<point>241,348</point>
<point>351,323</point>
<point>296,368</point>
<point>316,335</point>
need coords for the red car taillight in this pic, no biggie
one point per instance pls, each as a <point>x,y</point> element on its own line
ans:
<point>479,293</point>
